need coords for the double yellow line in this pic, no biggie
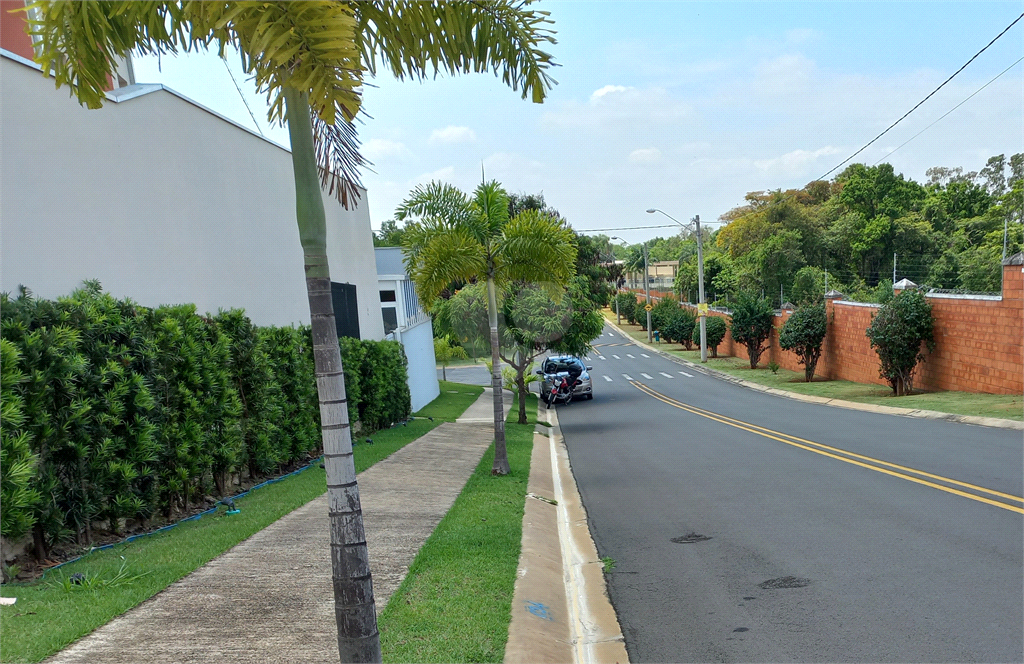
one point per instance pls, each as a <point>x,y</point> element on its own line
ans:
<point>948,485</point>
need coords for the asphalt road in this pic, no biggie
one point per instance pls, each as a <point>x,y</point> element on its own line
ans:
<point>812,553</point>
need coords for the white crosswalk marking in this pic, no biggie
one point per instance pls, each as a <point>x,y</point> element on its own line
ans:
<point>628,355</point>
<point>600,357</point>
<point>647,376</point>
<point>607,378</point>
<point>627,376</point>
<point>666,375</point>
<point>686,374</point>
<point>645,355</point>
<point>616,357</point>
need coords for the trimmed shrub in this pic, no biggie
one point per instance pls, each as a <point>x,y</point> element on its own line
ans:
<point>627,303</point>
<point>376,382</point>
<point>679,327</point>
<point>803,334</point>
<point>17,462</point>
<point>900,333</point>
<point>664,310</point>
<point>714,330</point>
<point>752,325</point>
<point>291,356</point>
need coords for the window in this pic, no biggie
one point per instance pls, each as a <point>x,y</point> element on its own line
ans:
<point>387,296</point>
<point>346,310</point>
<point>390,319</point>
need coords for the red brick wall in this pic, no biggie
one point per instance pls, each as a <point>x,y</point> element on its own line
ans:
<point>12,28</point>
<point>979,343</point>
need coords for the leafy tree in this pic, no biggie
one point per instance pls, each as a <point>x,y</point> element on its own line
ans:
<point>715,330</point>
<point>900,333</point>
<point>625,302</point>
<point>390,235</point>
<point>808,285</point>
<point>473,239</point>
<point>803,333</point>
<point>445,351</point>
<point>312,59</point>
<point>752,319</point>
<point>590,264</point>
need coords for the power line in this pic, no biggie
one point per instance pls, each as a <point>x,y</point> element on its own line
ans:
<point>925,99</point>
<point>232,75</point>
<point>949,111</point>
<point>624,228</point>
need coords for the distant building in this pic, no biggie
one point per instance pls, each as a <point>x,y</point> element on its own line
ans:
<point>405,321</point>
<point>662,275</point>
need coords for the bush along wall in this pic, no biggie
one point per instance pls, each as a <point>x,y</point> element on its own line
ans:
<point>114,413</point>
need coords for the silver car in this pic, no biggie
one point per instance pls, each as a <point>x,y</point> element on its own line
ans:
<point>556,366</point>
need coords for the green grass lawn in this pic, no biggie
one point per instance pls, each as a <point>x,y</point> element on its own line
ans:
<point>454,400</point>
<point>47,617</point>
<point>1006,406</point>
<point>456,602</point>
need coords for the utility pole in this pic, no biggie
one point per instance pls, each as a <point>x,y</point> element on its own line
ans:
<point>700,294</point>
<point>894,268</point>
<point>647,288</point>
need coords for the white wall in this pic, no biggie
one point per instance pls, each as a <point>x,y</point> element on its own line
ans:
<point>419,348</point>
<point>163,202</point>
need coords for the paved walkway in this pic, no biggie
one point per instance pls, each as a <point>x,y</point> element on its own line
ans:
<point>269,598</point>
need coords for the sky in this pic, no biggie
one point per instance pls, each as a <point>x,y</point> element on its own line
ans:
<point>682,106</point>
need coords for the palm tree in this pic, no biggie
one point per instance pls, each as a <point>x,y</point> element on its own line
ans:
<point>462,238</point>
<point>311,59</point>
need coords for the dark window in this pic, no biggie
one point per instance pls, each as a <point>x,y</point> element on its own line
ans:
<point>346,311</point>
<point>390,319</point>
<point>387,296</point>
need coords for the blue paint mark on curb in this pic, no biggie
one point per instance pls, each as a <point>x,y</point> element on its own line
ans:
<point>540,610</point>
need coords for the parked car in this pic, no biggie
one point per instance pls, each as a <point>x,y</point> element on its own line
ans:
<point>555,367</point>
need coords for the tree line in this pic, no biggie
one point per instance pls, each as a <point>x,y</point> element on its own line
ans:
<point>945,233</point>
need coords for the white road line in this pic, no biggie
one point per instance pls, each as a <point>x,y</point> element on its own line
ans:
<point>645,355</point>
<point>628,355</point>
<point>626,376</point>
<point>600,357</point>
<point>616,357</point>
<point>607,378</point>
<point>666,375</point>
<point>586,359</point>
<point>686,374</point>
<point>648,377</point>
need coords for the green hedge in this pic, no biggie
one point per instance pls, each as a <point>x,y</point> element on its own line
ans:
<point>112,411</point>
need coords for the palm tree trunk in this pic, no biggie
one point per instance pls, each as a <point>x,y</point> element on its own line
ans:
<point>358,638</point>
<point>500,466</point>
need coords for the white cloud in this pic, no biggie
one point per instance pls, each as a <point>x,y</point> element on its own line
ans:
<point>785,74</point>
<point>442,174</point>
<point>796,162</point>
<point>381,149</point>
<point>607,90</point>
<point>801,35</point>
<point>645,156</point>
<point>452,134</point>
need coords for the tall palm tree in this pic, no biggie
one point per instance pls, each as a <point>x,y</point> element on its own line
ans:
<point>463,238</point>
<point>311,59</point>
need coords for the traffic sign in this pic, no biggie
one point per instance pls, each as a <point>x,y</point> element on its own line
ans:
<point>649,307</point>
<point>702,309</point>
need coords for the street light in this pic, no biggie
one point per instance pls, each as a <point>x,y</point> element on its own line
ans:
<point>618,316</point>
<point>701,310</point>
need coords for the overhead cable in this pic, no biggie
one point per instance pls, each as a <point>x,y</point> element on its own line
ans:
<point>925,99</point>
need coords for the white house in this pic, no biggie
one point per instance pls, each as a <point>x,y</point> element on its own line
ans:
<point>166,202</point>
<point>405,321</point>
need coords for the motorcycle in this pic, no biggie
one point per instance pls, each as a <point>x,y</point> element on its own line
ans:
<point>561,388</point>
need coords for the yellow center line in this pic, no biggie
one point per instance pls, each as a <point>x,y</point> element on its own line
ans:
<point>791,440</point>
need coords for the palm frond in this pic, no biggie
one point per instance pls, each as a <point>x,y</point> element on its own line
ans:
<point>338,158</point>
<point>492,202</point>
<point>536,247</point>
<point>440,201</point>
<point>444,257</point>
<point>413,39</point>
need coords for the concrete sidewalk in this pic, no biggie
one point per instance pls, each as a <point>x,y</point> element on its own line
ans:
<point>269,599</point>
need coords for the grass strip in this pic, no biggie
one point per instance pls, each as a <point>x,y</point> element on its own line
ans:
<point>455,604</point>
<point>51,614</point>
<point>1006,406</point>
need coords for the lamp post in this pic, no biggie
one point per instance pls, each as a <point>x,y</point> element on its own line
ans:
<point>618,316</point>
<point>647,289</point>
<point>701,310</point>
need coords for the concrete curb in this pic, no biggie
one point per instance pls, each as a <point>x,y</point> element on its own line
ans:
<point>560,608</point>
<point>996,422</point>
